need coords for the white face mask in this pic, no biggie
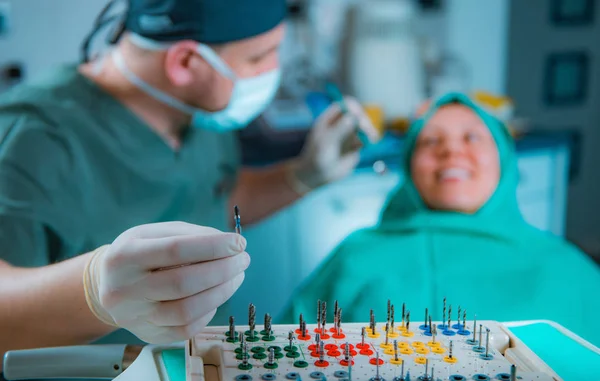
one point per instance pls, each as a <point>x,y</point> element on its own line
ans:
<point>249,98</point>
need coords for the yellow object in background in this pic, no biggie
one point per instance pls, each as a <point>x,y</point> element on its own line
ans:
<point>376,114</point>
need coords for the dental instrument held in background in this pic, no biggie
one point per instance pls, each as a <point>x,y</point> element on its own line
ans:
<point>336,96</point>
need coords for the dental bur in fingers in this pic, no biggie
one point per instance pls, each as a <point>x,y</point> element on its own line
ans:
<point>236,218</point>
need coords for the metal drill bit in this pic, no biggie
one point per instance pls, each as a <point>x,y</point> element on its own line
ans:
<point>450,350</point>
<point>321,351</point>
<point>347,352</point>
<point>301,321</point>
<point>513,373</point>
<point>362,334</point>
<point>291,339</point>
<point>389,310</point>
<point>432,379</point>
<point>449,317</point>
<point>458,319</point>
<point>232,328</point>
<point>339,322</point>
<point>403,313</point>
<point>474,328</point>
<point>266,324</point>
<point>434,332</point>
<point>387,335</point>
<point>319,313</point>
<point>245,355</point>
<point>408,321</point>
<point>444,313</point>
<point>236,218</point>
<point>426,368</point>
<point>242,340</point>
<point>464,320</point>
<point>317,341</point>
<point>373,325</point>
<point>487,341</point>
<point>271,358</point>
<point>396,350</point>
<point>430,326</point>
<point>252,320</point>
<point>303,329</point>
<point>335,313</point>
<point>426,314</point>
<point>392,319</point>
<point>480,330</point>
<point>402,371</point>
<point>270,325</point>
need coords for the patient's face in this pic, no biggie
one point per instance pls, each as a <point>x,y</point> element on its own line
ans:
<point>455,165</point>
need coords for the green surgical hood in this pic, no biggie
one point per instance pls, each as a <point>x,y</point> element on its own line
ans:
<point>491,263</point>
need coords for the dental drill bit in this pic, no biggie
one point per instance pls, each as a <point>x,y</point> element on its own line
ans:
<point>321,352</point>
<point>236,217</point>
<point>487,355</point>
<point>377,376</point>
<point>408,321</point>
<point>513,373</point>
<point>362,342</point>
<point>479,348</point>
<point>291,340</point>
<point>300,328</point>
<point>449,317</point>
<point>392,320</point>
<point>396,351</point>
<point>387,334</point>
<point>252,320</point>
<point>403,313</point>
<point>444,314</point>
<point>389,310</point>
<point>464,326</point>
<point>232,329</point>
<point>430,326</point>
<point>450,349</point>
<point>271,358</point>
<point>339,323</point>
<point>335,313</point>
<point>319,313</point>
<point>266,329</point>
<point>473,341</point>
<point>458,319</point>
<point>426,376</point>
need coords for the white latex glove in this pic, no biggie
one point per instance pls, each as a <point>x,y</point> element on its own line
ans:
<point>331,151</point>
<point>163,282</point>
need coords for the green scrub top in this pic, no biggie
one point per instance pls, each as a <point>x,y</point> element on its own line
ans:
<point>77,169</point>
<point>491,263</point>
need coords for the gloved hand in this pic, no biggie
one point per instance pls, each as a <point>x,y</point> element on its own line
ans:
<point>163,282</point>
<point>331,149</point>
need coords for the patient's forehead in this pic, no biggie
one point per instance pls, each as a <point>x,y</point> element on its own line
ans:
<point>454,118</point>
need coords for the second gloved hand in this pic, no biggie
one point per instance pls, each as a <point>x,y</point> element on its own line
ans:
<point>331,151</point>
<point>164,282</point>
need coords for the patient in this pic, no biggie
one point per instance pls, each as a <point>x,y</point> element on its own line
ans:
<point>454,230</point>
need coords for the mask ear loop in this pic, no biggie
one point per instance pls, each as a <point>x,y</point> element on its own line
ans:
<point>100,23</point>
<point>216,62</point>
